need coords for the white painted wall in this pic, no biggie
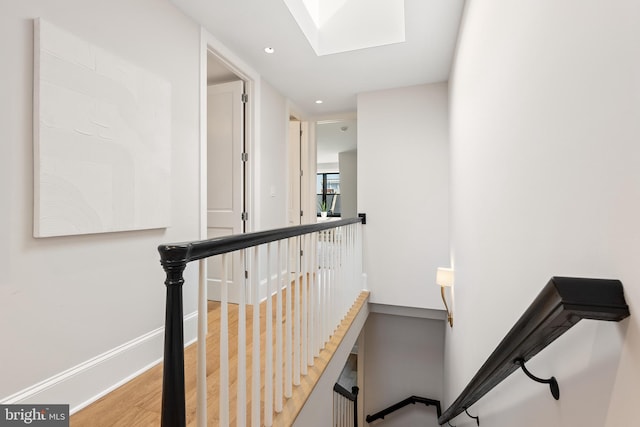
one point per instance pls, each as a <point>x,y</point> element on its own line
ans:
<point>348,161</point>
<point>273,158</point>
<point>272,172</point>
<point>403,187</point>
<point>81,314</point>
<point>66,300</point>
<point>403,357</point>
<point>545,100</point>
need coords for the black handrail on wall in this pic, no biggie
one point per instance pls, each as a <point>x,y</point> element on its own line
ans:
<point>353,397</point>
<point>562,303</point>
<point>174,259</point>
<point>408,401</point>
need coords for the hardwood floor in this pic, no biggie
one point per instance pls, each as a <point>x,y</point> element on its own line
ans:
<point>138,402</point>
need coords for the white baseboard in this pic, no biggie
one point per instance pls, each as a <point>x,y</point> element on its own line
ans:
<point>213,290</point>
<point>87,382</point>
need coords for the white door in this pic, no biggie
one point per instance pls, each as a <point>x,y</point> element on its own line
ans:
<point>225,180</point>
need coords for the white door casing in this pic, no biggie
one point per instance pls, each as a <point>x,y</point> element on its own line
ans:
<point>294,202</point>
<point>307,206</point>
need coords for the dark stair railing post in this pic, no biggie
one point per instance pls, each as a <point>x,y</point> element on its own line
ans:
<point>354,391</point>
<point>173,388</point>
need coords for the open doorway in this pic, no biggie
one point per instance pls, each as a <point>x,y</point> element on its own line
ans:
<point>337,167</point>
<point>227,105</point>
<point>225,169</point>
<point>301,168</point>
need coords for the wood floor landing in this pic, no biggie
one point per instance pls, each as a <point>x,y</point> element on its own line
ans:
<point>138,402</point>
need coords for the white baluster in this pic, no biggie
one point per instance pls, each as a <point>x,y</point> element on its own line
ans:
<point>343,283</point>
<point>201,406</point>
<point>325,285</point>
<point>296,316</point>
<point>304,284</point>
<point>341,272</point>
<point>268,369</point>
<point>334,285</point>
<point>354,252</point>
<point>351,261</point>
<point>241,399</point>
<point>310,299</point>
<point>315,301</point>
<point>279,393</point>
<point>224,347</point>
<point>325,288</point>
<point>255,365</point>
<point>288,375</point>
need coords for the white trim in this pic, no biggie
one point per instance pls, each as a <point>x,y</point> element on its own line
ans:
<point>308,160</point>
<point>87,382</point>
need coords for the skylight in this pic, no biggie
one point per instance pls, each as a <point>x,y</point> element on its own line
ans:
<point>334,26</point>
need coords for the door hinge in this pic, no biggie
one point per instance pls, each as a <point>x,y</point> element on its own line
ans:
<point>246,274</point>
<point>301,213</point>
<point>245,157</point>
<point>245,216</point>
<point>245,98</point>
<point>301,253</point>
<point>301,172</point>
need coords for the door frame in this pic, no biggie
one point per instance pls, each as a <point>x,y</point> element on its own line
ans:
<point>307,163</point>
<point>208,43</point>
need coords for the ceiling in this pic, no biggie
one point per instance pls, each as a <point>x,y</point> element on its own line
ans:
<point>248,26</point>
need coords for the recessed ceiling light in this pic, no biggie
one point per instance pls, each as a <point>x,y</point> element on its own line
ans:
<point>269,49</point>
<point>318,101</point>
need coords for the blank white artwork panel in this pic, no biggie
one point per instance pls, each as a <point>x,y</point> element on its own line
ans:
<point>102,139</point>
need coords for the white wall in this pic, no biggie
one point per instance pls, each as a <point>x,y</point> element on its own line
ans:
<point>348,161</point>
<point>545,100</point>
<point>403,357</point>
<point>273,158</point>
<point>65,300</point>
<point>403,187</point>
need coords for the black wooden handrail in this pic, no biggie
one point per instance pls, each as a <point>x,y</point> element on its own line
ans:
<point>408,401</point>
<point>178,253</point>
<point>174,259</point>
<point>351,395</point>
<point>562,303</point>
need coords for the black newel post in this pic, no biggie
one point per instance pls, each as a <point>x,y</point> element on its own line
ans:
<point>173,392</point>
<point>354,391</point>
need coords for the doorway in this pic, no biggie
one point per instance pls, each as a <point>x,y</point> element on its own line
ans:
<point>337,166</point>
<point>301,152</point>
<point>226,167</point>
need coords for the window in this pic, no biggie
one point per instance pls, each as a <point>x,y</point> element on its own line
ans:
<point>328,191</point>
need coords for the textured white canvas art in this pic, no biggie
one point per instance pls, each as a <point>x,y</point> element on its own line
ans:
<point>102,129</point>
